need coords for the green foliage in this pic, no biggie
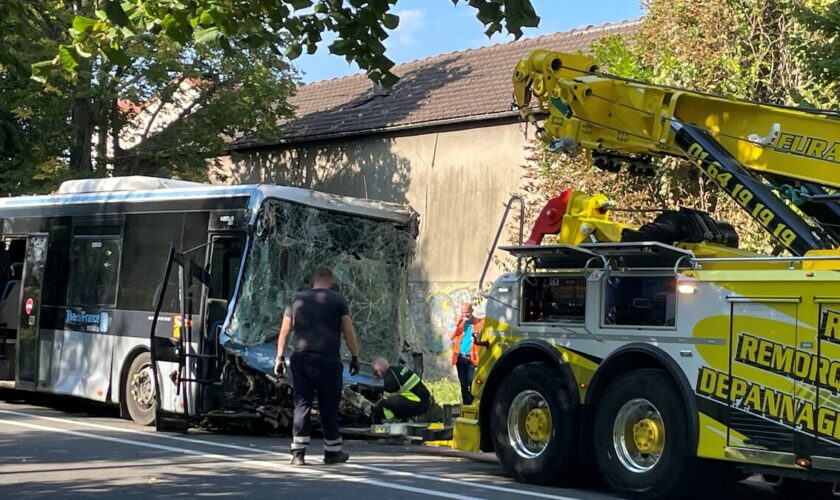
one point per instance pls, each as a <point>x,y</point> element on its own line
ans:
<point>689,43</point>
<point>280,26</point>
<point>819,49</point>
<point>149,106</point>
<point>34,138</point>
<point>614,52</point>
<point>99,87</point>
<point>444,391</point>
<point>196,100</point>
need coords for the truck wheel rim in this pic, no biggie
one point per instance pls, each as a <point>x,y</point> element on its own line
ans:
<point>529,424</point>
<point>143,388</point>
<point>638,435</point>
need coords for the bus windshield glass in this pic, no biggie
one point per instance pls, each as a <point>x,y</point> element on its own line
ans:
<point>368,257</point>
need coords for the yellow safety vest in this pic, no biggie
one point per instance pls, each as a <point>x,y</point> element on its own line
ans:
<point>405,389</point>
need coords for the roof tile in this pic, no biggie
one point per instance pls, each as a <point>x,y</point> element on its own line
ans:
<point>471,83</point>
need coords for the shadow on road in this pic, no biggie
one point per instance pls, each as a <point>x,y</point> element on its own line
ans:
<point>71,405</point>
<point>68,466</point>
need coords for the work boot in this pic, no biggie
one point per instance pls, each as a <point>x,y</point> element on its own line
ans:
<point>336,457</point>
<point>297,457</point>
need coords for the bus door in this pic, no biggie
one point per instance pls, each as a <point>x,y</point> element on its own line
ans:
<point>31,367</point>
<point>209,274</point>
<point>12,254</point>
<point>223,262</point>
<point>224,258</point>
<point>761,389</point>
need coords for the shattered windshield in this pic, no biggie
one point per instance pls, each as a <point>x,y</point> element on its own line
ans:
<point>368,257</point>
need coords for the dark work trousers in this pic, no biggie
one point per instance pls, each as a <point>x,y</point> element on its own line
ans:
<point>311,377</point>
<point>466,371</point>
<point>401,407</point>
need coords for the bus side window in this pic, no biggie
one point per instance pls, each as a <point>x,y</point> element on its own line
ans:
<point>147,241</point>
<point>195,235</point>
<point>148,238</point>
<point>95,253</point>
<point>58,263</point>
<point>224,267</point>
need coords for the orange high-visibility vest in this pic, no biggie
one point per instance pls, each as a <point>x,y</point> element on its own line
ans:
<point>456,340</point>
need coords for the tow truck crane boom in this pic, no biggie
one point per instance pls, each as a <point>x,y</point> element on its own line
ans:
<point>747,149</point>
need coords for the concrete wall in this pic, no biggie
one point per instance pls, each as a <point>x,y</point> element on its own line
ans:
<point>458,180</point>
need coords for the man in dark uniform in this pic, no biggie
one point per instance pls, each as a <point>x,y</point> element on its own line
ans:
<point>317,317</point>
<point>405,395</point>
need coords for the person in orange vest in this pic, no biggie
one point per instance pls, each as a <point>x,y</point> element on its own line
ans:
<point>466,339</point>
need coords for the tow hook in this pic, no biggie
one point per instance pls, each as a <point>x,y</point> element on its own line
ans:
<point>835,488</point>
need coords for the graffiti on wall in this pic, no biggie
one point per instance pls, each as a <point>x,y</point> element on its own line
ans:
<point>433,314</point>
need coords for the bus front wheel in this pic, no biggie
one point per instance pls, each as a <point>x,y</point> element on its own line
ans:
<point>641,438</point>
<point>139,390</point>
<point>534,424</point>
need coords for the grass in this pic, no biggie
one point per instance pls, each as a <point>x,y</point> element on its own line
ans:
<point>444,391</point>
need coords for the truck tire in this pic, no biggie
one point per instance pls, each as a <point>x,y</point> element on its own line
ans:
<point>534,424</point>
<point>641,437</point>
<point>139,390</point>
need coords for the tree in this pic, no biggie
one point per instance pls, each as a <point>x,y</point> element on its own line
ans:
<point>821,53</point>
<point>161,112</point>
<point>179,106</point>
<point>99,87</point>
<point>281,26</point>
<point>34,137</point>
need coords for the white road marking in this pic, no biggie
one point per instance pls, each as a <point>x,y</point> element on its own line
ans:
<point>371,468</point>
<point>257,463</point>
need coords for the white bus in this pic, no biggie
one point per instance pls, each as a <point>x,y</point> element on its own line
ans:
<point>81,272</point>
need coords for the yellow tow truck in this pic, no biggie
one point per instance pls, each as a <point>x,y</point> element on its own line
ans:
<point>664,354</point>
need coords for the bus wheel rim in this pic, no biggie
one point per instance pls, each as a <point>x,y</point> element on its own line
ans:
<point>638,435</point>
<point>143,388</point>
<point>529,424</point>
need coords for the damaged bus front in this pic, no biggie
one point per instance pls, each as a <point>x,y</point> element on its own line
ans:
<point>225,379</point>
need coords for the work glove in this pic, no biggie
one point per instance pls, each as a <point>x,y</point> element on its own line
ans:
<point>354,366</point>
<point>280,366</point>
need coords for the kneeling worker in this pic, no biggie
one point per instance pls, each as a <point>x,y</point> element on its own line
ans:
<point>405,395</point>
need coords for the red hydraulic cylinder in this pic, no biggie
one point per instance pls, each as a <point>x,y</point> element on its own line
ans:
<point>550,219</point>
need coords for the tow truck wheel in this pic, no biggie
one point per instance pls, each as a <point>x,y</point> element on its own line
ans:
<point>534,426</point>
<point>139,390</point>
<point>642,438</point>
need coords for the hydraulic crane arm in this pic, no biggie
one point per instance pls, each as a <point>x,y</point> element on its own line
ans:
<point>734,142</point>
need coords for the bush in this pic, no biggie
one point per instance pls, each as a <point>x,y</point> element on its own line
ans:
<point>444,391</point>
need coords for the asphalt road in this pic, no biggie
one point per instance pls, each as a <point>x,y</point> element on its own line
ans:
<point>67,448</point>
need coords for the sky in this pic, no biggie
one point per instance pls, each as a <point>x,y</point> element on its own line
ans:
<point>432,27</point>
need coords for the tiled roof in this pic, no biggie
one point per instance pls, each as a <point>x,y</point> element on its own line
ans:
<point>460,86</point>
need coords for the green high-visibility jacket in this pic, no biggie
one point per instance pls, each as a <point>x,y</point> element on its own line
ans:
<point>400,381</point>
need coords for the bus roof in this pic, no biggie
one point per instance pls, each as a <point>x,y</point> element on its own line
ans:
<point>123,183</point>
<point>255,193</point>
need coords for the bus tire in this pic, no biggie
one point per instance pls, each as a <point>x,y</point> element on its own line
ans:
<point>139,390</point>
<point>641,437</point>
<point>534,425</point>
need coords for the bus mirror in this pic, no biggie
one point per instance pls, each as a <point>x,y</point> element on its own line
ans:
<point>166,349</point>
